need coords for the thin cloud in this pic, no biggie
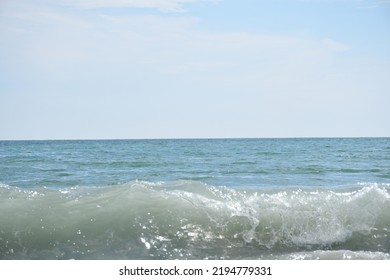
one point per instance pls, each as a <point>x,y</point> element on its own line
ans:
<point>336,46</point>
<point>162,5</point>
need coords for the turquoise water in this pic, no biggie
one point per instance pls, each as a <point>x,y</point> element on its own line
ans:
<point>195,199</point>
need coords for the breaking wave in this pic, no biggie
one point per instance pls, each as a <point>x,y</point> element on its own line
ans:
<point>192,220</point>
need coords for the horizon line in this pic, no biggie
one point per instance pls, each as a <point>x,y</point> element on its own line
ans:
<point>194,138</point>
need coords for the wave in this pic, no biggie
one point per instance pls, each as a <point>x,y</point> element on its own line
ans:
<point>192,220</point>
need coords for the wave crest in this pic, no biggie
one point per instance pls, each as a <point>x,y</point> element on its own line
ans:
<point>190,220</point>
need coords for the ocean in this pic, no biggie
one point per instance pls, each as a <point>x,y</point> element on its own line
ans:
<point>320,198</point>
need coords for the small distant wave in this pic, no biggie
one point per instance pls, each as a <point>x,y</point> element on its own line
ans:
<point>193,220</point>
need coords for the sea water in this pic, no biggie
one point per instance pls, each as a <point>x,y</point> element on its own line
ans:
<point>323,198</point>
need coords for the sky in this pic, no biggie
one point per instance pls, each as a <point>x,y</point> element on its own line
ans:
<point>134,69</point>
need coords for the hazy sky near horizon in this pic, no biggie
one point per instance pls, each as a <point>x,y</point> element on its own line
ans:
<point>87,69</point>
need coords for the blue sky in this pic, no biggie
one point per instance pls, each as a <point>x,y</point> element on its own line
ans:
<point>88,69</point>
